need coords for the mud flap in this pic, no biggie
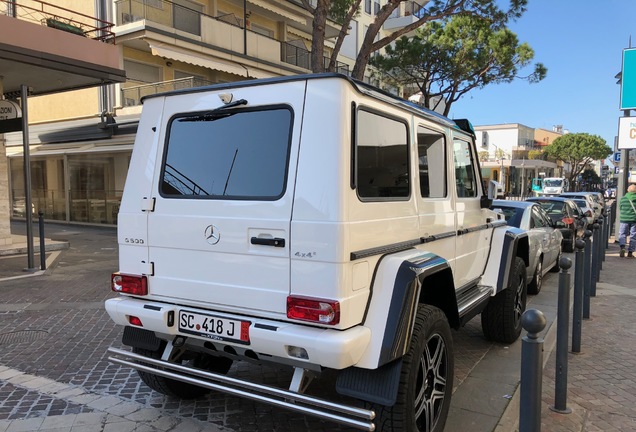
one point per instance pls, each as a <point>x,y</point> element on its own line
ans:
<point>372,385</point>
<point>140,338</point>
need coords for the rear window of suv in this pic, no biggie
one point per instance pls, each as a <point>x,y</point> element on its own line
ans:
<point>229,154</point>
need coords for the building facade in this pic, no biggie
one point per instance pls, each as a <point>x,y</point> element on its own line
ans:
<point>81,141</point>
<point>505,157</point>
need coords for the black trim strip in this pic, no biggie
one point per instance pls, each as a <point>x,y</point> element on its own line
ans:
<point>438,237</point>
<point>390,248</point>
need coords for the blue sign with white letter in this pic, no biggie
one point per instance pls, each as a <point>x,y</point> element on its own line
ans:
<point>617,157</point>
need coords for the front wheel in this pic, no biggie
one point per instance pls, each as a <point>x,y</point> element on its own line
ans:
<point>426,379</point>
<point>501,319</point>
<point>537,281</point>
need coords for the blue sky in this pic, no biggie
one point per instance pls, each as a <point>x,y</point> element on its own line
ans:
<point>581,43</point>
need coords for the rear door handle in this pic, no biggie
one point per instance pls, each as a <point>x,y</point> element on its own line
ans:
<point>276,242</point>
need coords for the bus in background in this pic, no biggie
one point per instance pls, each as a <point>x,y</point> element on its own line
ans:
<point>554,186</point>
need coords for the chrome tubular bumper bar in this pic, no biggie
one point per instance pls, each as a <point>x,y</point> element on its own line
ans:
<point>358,418</point>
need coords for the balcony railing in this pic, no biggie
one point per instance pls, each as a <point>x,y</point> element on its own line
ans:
<point>131,96</point>
<point>409,8</point>
<point>60,18</point>
<point>210,30</point>
<point>301,57</point>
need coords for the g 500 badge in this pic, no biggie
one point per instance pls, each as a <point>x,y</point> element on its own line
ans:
<point>133,240</point>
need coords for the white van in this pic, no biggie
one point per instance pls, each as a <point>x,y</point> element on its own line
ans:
<point>315,222</point>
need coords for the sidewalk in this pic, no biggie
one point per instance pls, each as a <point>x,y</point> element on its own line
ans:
<point>14,261</point>
<point>601,380</point>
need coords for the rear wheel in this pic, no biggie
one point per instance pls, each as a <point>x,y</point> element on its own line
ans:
<point>501,319</point>
<point>179,389</point>
<point>426,379</point>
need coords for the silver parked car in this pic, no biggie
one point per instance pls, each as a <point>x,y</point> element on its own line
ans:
<point>544,238</point>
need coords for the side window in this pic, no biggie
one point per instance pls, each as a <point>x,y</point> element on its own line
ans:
<point>431,153</point>
<point>382,157</point>
<point>465,178</point>
<point>538,220</point>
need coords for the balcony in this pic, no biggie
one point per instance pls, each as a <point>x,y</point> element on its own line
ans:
<point>407,13</point>
<point>50,48</point>
<point>131,95</point>
<point>226,32</point>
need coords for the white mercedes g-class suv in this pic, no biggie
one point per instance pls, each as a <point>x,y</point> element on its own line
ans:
<point>314,222</point>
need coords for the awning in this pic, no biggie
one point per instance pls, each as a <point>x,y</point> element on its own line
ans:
<point>46,150</point>
<point>197,59</point>
<point>279,11</point>
<point>191,57</point>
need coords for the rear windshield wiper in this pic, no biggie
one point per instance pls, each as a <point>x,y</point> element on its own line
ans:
<point>216,113</point>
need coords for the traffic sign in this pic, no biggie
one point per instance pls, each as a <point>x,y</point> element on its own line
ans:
<point>617,157</point>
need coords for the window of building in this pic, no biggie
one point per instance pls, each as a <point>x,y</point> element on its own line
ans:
<point>431,153</point>
<point>242,154</point>
<point>465,178</point>
<point>350,44</point>
<point>142,73</point>
<point>367,6</point>
<point>262,30</point>
<point>382,157</point>
<point>376,7</point>
<point>187,16</point>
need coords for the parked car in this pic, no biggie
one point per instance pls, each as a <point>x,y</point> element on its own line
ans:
<point>588,211</point>
<point>544,238</point>
<point>592,198</point>
<point>566,216</point>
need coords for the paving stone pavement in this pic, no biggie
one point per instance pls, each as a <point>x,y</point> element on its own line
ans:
<point>55,375</point>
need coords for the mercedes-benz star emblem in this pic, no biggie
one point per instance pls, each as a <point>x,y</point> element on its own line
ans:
<point>212,234</point>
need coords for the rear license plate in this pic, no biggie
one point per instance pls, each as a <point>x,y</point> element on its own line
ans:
<point>214,327</point>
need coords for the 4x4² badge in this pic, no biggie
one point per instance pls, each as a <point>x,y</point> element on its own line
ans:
<point>212,234</point>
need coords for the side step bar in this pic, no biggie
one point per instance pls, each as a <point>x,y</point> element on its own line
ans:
<point>346,415</point>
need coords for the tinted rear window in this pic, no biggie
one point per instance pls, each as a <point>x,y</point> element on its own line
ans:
<point>237,154</point>
<point>512,215</point>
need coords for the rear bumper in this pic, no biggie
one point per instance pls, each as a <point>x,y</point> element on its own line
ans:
<point>336,349</point>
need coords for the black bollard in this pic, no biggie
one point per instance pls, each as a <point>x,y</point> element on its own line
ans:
<point>577,312</point>
<point>601,240</point>
<point>533,321</point>
<point>587,274</point>
<point>595,267</point>
<point>42,244</point>
<point>561,378</point>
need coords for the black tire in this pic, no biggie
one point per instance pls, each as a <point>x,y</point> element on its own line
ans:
<point>537,280</point>
<point>501,319</point>
<point>179,389</point>
<point>426,379</point>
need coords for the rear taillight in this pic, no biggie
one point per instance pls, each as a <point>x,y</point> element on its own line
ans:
<point>129,284</point>
<point>315,310</point>
<point>568,220</point>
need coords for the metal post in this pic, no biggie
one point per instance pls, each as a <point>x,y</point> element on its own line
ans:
<point>561,378</point>
<point>595,267</point>
<point>42,243</point>
<point>533,321</point>
<point>587,274</point>
<point>27,179</point>
<point>577,312</point>
<point>599,251</point>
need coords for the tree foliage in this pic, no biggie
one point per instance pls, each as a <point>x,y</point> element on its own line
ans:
<point>447,59</point>
<point>535,154</point>
<point>343,11</point>
<point>579,150</point>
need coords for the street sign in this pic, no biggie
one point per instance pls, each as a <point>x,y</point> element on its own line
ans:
<point>627,132</point>
<point>617,157</point>
<point>628,80</point>
<point>616,170</point>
